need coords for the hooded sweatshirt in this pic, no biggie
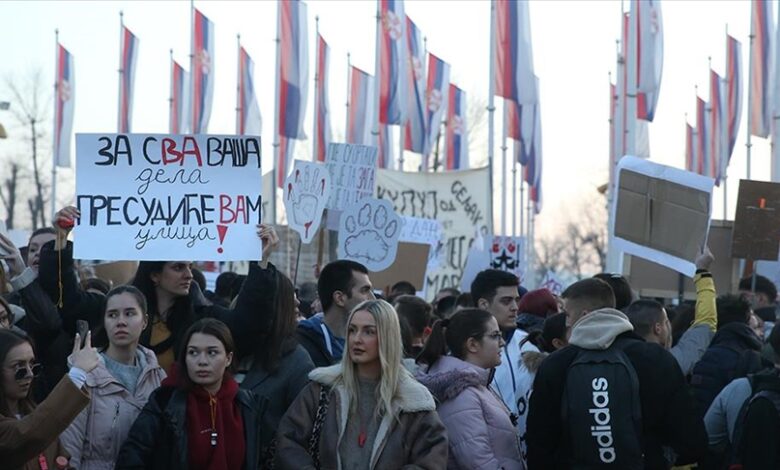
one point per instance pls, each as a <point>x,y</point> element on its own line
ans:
<point>598,329</point>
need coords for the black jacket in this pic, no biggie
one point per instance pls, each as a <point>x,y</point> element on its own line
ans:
<point>158,438</point>
<point>734,352</point>
<point>314,343</point>
<point>761,431</point>
<point>250,317</point>
<point>668,413</point>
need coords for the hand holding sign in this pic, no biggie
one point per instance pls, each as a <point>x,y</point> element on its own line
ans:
<point>306,192</point>
<point>368,233</point>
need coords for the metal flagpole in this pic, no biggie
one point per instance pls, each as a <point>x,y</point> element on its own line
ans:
<point>170,97</point>
<point>491,105</point>
<point>631,57</point>
<point>514,188</point>
<point>748,145</point>
<point>503,171</point>
<point>528,234</point>
<point>349,92</point>
<point>278,72</point>
<point>377,78</point>
<point>57,136</point>
<point>522,198</point>
<point>121,72</point>
<point>423,156</point>
<point>193,124</point>
<point>238,86</point>
<point>315,139</point>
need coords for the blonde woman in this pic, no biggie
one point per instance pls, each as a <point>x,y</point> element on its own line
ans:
<point>367,411</point>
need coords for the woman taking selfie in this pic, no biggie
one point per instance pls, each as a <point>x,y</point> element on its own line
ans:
<point>198,419</point>
<point>120,385</point>
<point>367,411</point>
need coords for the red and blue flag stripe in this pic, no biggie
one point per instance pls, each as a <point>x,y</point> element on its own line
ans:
<point>176,121</point>
<point>760,29</point>
<point>129,51</point>
<point>361,110</point>
<point>321,106</point>
<point>202,72</point>
<point>64,106</point>
<point>513,56</point>
<point>733,95</point>
<point>435,101</point>
<point>248,122</point>
<point>392,62</point>
<point>415,123</point>
<point>457,132</point>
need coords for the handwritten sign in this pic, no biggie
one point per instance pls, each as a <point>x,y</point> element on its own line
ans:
<point>168,197</point>
<point>305,193</point>
<point>459,200</point>
<point>757,221</point>
<point>552,283</point>
<point>352,171</point>
<point>426,231</point>
<point>368,233</point>
<point>508,254</point>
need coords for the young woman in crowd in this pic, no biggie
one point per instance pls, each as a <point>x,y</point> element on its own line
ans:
<point>175,301</point>
<point>480,430</point>
<point>29,433</point>
<point>120,385</point>
<point>199,418</point>
<point>367,411</point>
<point>279,368</point>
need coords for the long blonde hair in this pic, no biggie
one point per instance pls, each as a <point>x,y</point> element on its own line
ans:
<point>390,354</point>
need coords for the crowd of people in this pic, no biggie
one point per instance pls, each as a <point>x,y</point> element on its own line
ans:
<point>162,373</point>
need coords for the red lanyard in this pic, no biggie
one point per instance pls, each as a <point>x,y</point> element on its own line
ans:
<point>42,462</point>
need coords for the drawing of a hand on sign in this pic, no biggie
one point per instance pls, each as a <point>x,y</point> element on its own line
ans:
<point>369,232</point>
<point>306,192</point>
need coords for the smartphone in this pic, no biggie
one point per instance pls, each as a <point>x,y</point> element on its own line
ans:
<point>82,328</point>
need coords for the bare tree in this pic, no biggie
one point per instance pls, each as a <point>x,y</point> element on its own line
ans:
<point>8,192</point>
<point>30,108</point>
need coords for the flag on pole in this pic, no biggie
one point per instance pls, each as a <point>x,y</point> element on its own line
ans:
<point>129,51</point>
<point>457,134</point>
<point>717,130</point>
<point>520,122</point>
<point>415,123</point>
<point>202,72</point>
<point>612,123</point>
<point>321,106</point>
<point>702,138</point>
<point>63,106</point>
<point>435,102</point>
<point>733,95</point>
<point>758,89</point>
<point>385,154</point>
<point>293,78</point>
<point>361,108</point>
<point>513,56</point>
<point>177,118</point>
<point>532,171</point>
<point>650,55</point>
<point>393,63</point>
<point>248,121</point>
<point>689,148</point>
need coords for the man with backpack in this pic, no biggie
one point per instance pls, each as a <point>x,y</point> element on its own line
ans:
<point>609,399</point>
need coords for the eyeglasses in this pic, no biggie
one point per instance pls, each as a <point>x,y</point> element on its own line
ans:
<point>21,372</point>
<point>496,336</point>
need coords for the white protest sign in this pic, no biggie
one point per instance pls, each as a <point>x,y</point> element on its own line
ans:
<point>478,259</point>
<point>306,192</point>
<point>352,171</point>
<point>508,254</point>
<point>459,200</point>
<point>427,231</point>
<point>368,233</point>
<point>168,197</point>
<point>552,283</point>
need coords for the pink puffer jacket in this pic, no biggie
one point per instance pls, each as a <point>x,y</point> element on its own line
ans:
<point>481,433</point>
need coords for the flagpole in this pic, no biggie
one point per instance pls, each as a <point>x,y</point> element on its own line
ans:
<point>631,58</point>
<point>170,96</point>
<point>522,198</point>
<point>491,105</point>
<point>377,78</point>
<point>349,92</point>
<point>514,187</point>
<point>238,86</point>
<point>192,68</point>
<point>423,157</point>
<point>276,147</point>
<point>57,136</point>
<point>528,232</point>
<point>121,72</point>
<point>614,256</point>
<point>748,145</point>
<point>503,172</point>
<point>315,138</point>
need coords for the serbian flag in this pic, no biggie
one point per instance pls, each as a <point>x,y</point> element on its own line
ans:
<point>435,102</point>
<point>361,115</point>
<point>293,78</point>
<point>63,106</point>
<point>321,106</point>
<point>717,130</point>
<point>689,148</point>
<point>129,51</point>
<point>532,171</point>
<point>385,154</point>
<point>758,88</point>
<point>415,123</point>
<point>248,121</point>
<point>513,60</point>
<point>650,55</point>
<point>393,64</point>
<point>457,135</point>
<point>733,113</point>
<point>202,72</point>
<point>702,139</point>
<point>520,127</point>
<point>177,122</point>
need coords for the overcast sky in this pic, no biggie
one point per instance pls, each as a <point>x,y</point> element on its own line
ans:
<point>574,50</point>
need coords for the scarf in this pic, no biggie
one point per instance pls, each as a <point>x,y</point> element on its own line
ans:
<point>230,451</point>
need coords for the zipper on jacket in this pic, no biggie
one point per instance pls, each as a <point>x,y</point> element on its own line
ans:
<point>116,416</point>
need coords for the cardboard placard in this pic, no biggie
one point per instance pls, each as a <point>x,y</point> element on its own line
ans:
<point>118,272</point>
<point>757,221</point>
<point>409,265</point>
<point>306,192</point>
<point>368,234</point>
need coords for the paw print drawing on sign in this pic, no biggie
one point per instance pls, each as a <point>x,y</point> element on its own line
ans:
<point>307,190</point>
<point>369,232</point>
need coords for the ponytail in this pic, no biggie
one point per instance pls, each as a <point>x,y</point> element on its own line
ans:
<point>436,344</point>
<point>451,335</point>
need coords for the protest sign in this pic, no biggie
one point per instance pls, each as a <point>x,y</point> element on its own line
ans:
<point>427,231</point>
<point>459,200</point>
<point>168,197</point>
<point>306,192</point>
<point>757,221</point>
<point>478,259</point>
<point>661,213</point>
<point>552,283</point>
<point>368,233</point>
<point>118,272</point>
<point>352,171</point>
<point>409,265</point>
<point>508,254</point>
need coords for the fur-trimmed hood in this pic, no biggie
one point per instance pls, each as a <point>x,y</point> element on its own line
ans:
<point>533,360</point>
<point>412,396</point>
<point>449,376</point>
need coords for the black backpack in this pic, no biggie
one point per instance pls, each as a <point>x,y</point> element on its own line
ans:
<point>601,409</point>
<point>759,389</point>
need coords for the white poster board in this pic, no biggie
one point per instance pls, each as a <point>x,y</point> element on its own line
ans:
<point>168,197</point>
<point>459,200</point>
<point>427,231</point>
<point>306,192</point>
<point>507,254</point>
<point>552,283</point>
<point>352,171</point>
<point>368,234</point>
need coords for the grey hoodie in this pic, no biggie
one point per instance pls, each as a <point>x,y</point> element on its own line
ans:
<point>599,328</point>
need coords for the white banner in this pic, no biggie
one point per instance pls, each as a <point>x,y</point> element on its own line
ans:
<point>459,200</point>
<point>168,197</point>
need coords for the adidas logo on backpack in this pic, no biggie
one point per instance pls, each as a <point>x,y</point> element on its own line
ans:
<point>602,431</point>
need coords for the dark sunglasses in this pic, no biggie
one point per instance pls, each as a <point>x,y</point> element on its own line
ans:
<point>21,372</point>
